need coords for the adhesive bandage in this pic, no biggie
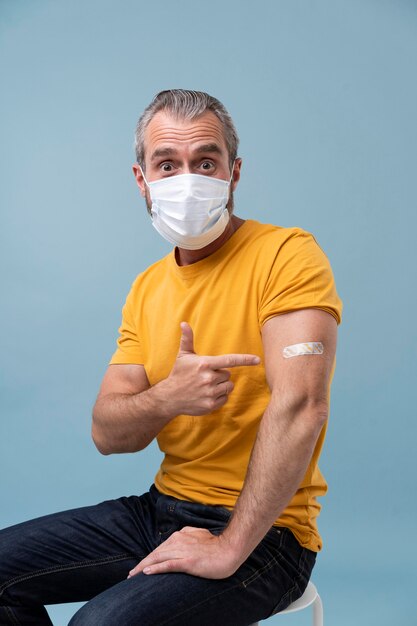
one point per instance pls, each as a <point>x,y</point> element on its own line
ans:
<point>298,349</point>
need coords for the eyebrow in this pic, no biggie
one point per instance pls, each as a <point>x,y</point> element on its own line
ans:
<point>209,147</point>
<point>162,152</point>
<point>212,148</point>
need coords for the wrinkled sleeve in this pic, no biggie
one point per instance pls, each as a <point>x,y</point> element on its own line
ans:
<point>300,277</point>
<point>129,350</point>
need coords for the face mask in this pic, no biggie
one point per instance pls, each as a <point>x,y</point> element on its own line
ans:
<point>189,210</point>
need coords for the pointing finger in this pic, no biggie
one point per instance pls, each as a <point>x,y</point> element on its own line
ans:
<point>232,360</point>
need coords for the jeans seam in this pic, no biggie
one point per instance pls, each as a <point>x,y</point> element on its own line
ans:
<point>265,567</point>
<point>259,572</point>
<point>191,608</point>
<point>300,573</point>
<point>12,616</point>
<point>237,585</point>
<point>62,568</point>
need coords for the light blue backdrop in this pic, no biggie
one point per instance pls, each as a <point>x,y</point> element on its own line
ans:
<point>324,96</point>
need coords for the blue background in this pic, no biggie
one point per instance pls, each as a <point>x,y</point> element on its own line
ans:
<point>324,96</point>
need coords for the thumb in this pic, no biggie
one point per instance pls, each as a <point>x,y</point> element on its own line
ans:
<point>187,339</point>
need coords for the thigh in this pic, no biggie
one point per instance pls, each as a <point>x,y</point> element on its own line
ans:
<point>73,555</point>
<point>274,575</point>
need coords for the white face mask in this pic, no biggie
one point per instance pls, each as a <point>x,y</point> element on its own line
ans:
<point>189,210</point>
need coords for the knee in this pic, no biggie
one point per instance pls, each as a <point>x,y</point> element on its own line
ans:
<point>85,617</point>
<point>99,611</point>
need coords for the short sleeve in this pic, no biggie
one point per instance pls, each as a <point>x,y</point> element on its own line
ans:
<point>300,277</point>
<point>129,349</point>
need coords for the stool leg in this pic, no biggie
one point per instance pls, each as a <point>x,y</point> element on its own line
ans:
<point>318,612</point>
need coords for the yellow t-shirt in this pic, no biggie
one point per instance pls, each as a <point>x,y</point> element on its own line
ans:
<point>260,272</point>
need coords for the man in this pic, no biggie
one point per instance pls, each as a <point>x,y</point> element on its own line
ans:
<point>226,354</point>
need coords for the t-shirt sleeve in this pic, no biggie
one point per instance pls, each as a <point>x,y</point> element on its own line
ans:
<point>129,350</point>
<point>300,277</point>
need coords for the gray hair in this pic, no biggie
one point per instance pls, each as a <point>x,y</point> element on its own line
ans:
<point>186,104</point>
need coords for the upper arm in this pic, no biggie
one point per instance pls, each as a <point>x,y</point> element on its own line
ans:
<point>124,379</point>
<point>300,379</point>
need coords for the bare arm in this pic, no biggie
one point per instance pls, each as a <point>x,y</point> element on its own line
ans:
<point>129,413</point>
<point>126,415</point>
<point>290,426</point>
<point>282,451</point>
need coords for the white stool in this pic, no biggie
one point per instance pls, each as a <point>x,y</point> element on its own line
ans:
<point>309,597</point>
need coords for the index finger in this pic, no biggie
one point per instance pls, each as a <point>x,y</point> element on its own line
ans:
<point>232,360</point>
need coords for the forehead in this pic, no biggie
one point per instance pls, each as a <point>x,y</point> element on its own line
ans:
<point>166,130</point>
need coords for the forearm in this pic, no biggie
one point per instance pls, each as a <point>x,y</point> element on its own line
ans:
<point>129,422</point>
<point>279,460</point>
<point>283,448</point>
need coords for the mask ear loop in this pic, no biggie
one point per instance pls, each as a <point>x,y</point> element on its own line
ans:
<point>231,175</point>
<point>144,178</point>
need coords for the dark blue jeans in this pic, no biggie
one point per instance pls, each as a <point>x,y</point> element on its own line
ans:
<point>86,554</point>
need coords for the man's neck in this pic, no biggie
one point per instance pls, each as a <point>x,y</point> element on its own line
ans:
<point>187,257</point>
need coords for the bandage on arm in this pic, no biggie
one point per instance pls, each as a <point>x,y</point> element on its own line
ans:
<point>299,349</point>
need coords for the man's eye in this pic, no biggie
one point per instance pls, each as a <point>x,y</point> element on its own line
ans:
<point>207,165</point>
<point>166,167</point>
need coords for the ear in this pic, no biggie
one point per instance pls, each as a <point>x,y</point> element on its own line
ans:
<point>137,173</point>
<point>236,172</point>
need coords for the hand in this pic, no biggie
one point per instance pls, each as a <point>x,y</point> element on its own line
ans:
<point>198,385</point>
<point>193,551</point>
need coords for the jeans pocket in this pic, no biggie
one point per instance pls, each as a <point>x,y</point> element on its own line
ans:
<point>264,557</point>
<point>298,564</point>
<point>270,546</point>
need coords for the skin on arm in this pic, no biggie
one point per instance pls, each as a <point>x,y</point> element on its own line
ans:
<point>129,413</point>
<point>117,410</point>
<point>285,442</point>
<point>291,425</point>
